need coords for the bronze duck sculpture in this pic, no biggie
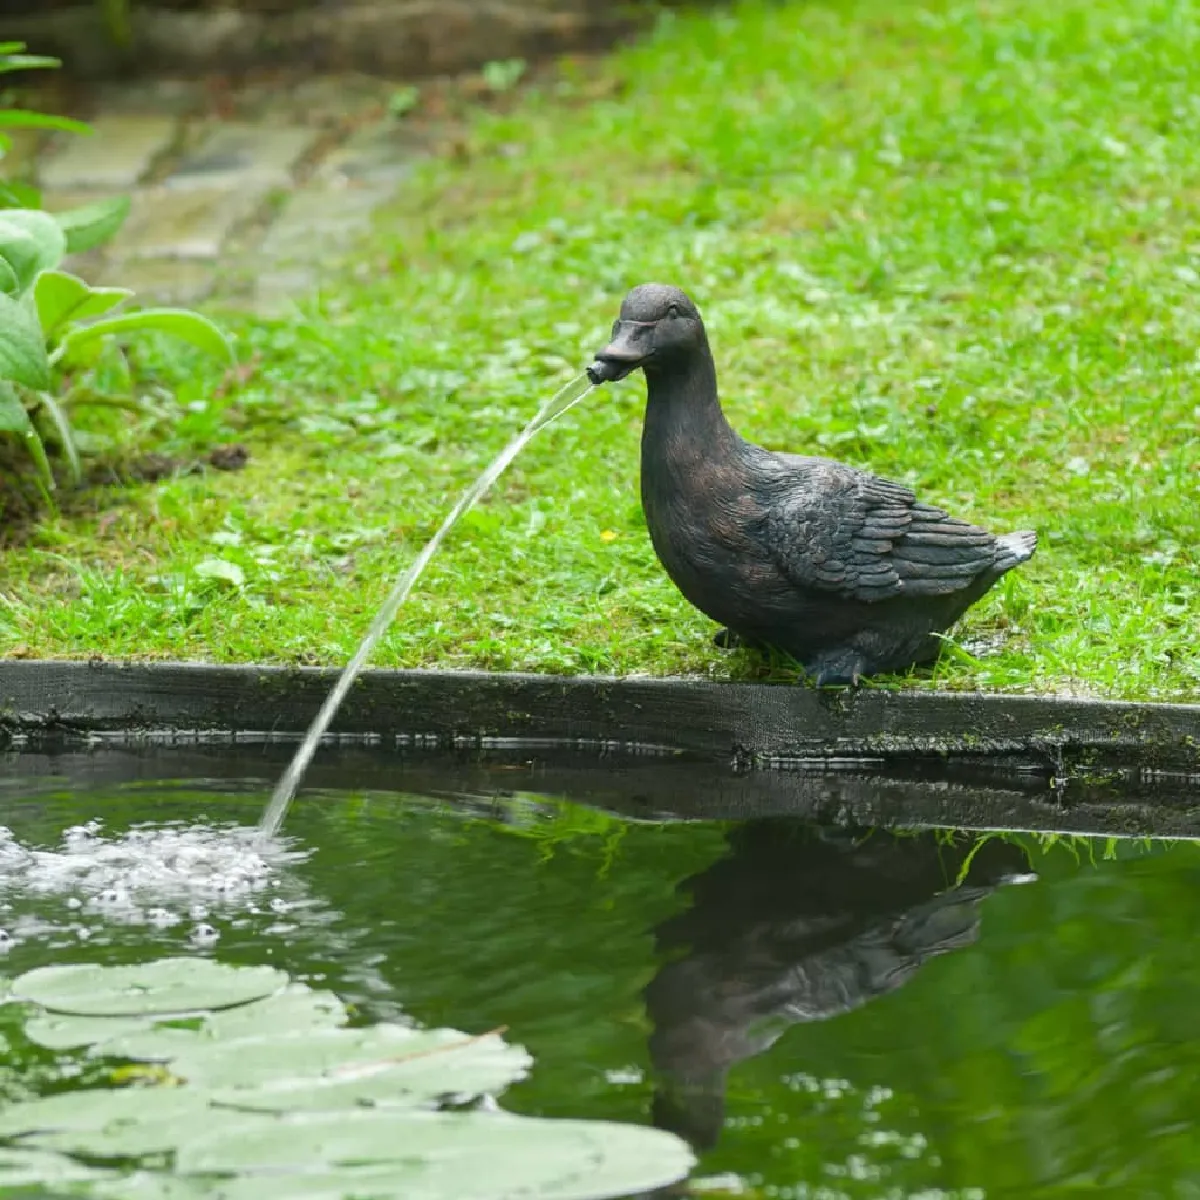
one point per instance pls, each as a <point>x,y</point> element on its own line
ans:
<point>846,572</point>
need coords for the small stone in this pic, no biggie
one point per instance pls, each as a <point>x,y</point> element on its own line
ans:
<point>166,223</point>
<point>118,153</point>
<point>236,155</point>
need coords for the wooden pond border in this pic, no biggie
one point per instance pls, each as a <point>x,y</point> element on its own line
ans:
<point>761,726</point>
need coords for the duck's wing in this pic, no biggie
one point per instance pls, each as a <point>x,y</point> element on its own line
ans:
<point>836,529</point>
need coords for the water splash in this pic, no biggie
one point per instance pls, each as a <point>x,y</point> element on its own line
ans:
<point>567,397</point>
<point>166,876</point>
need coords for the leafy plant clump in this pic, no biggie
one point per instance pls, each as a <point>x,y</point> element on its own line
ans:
<point>14,194</point>
<point>240,1083</point>
<point>56,331</point>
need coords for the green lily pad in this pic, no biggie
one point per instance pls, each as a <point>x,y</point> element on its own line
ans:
<point>170,985</point>
<point>271,1102</point>
<point>127,1122</point>
<point>411,1073</point>
<point>296,1009</point>
<point>158,1115</point>
<point>157,1185</point>
<point>63,1031</point>
<point>426,1063</point>
<point>31,1167</point>
<point>448,1156</point>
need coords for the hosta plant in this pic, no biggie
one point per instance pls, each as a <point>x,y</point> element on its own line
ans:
<point>55,330</point>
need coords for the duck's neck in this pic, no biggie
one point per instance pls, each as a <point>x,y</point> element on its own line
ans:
<point>684,422</point>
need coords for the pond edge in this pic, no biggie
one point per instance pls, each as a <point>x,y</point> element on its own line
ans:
<point>753,725</point>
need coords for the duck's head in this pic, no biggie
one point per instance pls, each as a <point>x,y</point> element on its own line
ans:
<point>658,325</point>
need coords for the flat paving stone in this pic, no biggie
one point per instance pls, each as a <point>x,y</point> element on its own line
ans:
<point>116,156</point>
<point>165,281</point>
<point>321,219</point>
<point>376,153</point>
<point>237,155</point>
<point>169,223</point>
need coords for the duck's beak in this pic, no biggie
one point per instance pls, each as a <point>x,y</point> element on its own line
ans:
<point>632,344</point>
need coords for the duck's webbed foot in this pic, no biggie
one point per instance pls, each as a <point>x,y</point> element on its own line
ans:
<point>841,666</point>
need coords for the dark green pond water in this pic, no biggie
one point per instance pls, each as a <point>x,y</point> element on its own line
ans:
<point>823,1011</point>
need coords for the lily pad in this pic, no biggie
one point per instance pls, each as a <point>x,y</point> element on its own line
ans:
<point>412,1073</point>
<point>271,1102</point>
<point>61,1031</point>
<point>428,1063</point>
<point>157,1185</point>
<point>170,985</point>
<point>296,1009</point>
<point>32,1167</point>
<point>108,1122</point>
<point>449,1156</point>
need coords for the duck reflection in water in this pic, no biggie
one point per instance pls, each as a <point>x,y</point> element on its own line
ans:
<point>800,923</point>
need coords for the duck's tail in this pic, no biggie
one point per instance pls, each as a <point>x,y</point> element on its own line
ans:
<point>1015,548</point>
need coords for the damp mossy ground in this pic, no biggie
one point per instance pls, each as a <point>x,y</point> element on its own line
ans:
<point>958,245</point>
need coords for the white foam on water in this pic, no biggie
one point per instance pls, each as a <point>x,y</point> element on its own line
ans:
<point>190,877</point>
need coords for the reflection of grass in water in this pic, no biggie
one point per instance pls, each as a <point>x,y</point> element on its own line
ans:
<point>555,824</point>
<point>1092,850</point>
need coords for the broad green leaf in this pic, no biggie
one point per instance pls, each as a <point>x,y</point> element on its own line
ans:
<point>188,326</point>
<point>14,194</point>
<point>62,297</point>
<point>25,62</point>
<point>10,285</point>
<point>30,241</point>
<point>23,357</point>
<point>23,118</point>
<point>92,225</point>
<point>170,985</point>
<point>221,569</point>
<point>13,416</point>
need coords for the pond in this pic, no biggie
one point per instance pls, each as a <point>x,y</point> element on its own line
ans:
<point>820,1009</point>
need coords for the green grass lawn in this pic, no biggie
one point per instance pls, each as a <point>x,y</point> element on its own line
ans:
<point>955,243</point>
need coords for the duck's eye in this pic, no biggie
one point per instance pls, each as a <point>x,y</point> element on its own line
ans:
<point>673,312</point>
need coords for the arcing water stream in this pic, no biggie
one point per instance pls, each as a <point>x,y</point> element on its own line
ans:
<point>276,810</point>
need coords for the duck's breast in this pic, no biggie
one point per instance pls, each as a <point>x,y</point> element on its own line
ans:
<point>706,525</point>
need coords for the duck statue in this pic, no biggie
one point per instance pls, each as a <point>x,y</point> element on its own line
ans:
<point>846,572</point>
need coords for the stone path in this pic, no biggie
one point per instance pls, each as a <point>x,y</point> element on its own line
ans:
<point>251,195</point>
